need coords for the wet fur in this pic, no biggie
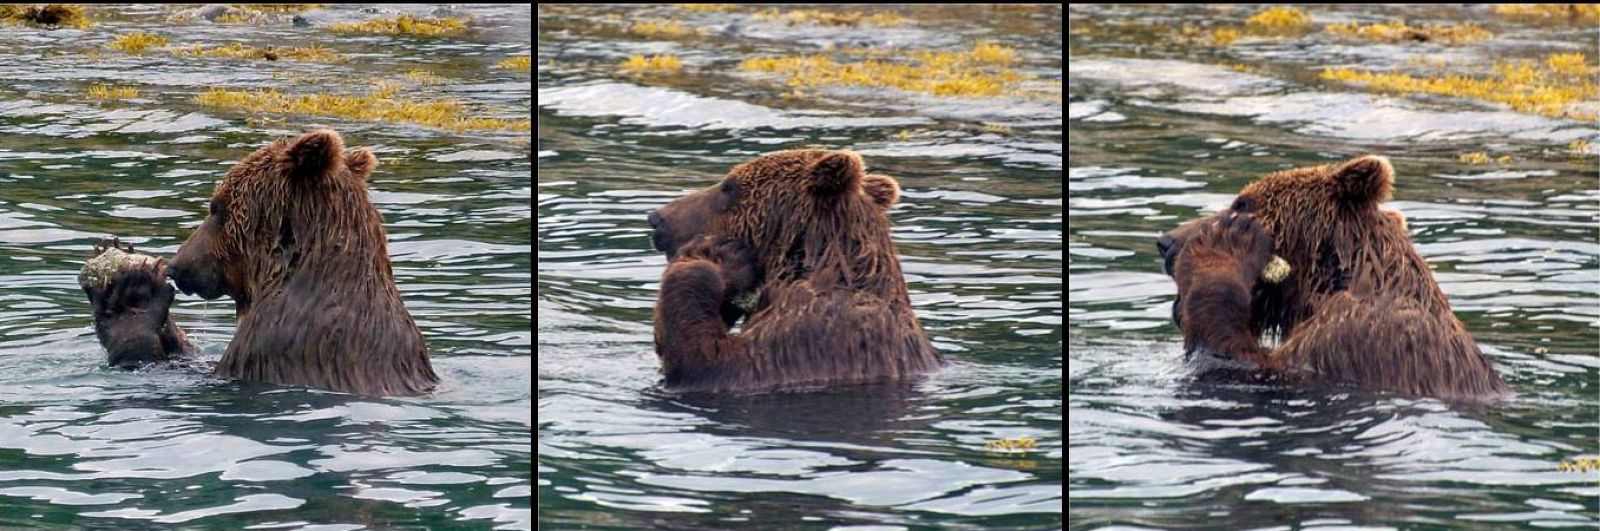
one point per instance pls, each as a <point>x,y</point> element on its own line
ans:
<point>809,231</point>
<point>297,244</point>
<point>1360,305</point>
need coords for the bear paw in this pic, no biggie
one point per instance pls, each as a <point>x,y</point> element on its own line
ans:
<point>737,265</point>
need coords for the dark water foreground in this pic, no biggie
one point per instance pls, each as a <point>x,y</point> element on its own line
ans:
<point>84,447</point>
<point>1163,132</point>
<point>978,229</point>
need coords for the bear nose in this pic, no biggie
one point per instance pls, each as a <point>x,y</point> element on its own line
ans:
<point>655,218</point>
<point>1164,243</point>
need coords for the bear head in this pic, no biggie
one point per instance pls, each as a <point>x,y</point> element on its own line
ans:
<point>1326,225</point>
<point>809,214</point>
<point>270,212</point>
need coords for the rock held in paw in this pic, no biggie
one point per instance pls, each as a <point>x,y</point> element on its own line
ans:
<point>1276,270</point>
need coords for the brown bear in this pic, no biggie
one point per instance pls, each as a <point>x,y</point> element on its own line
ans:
<point>797,243</point>
<point>131,301</point>
<point>294,240</point>
<point>1355,303</point>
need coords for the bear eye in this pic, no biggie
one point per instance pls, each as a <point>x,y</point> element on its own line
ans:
<point>730,187</point>
<point>216,208</point>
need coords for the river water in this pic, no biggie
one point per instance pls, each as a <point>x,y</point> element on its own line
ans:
<point>978,230</point>
<point>1162,132</point>
<point>85,447</point>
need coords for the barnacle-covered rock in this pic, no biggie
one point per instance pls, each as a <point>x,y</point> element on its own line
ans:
<point>1276,270</point>
<point>111,257</point>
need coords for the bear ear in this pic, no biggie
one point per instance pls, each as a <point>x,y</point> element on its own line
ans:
<point>361,162</point>
<point>835,173</point>
<point>883,190</point>
<point>315,155</point>
<point>1364,180</point>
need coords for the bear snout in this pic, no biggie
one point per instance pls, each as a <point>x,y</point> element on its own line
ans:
<point>657,238</point>
<point>175,273</point>
<point>191,283</point>
<point>1166,244</point>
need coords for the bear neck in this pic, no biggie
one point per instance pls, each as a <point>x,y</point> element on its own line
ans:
<point>1349,255</point>
<point>328,314</point>
<point>320,253</point>
<point>862,257</point>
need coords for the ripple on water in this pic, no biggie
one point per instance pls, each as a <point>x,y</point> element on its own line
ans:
<point>655,106</point>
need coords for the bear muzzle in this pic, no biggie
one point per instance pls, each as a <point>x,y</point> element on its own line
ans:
<point>656,236</point>
<point>189,283</point>
<point>1168,246</point>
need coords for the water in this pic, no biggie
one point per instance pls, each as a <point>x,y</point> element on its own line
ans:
<point>81,446</point>
<point>1161,133</point>
<point>978,229</point>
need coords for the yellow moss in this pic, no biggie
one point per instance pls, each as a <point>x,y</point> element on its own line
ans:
<point>1191,35</point>
<point>48,15</point>
<point>1423,61</point>
<point>704,7</point>
<point>1009,444</point>
<point>1241,67</point>
<point>1279,19</point>
<point>405,24</point>
<point>1002,129</point>
<point>136,43</point>
<point>518,62</point>
<point>384,90</point>
<point>662,29</point>
<point>1575,13</point>
<point>832,18</point>
<point>1397,31</point>
<point>1480,157</point>
<point>234,50</point>
<point>1578,148</point>
<point>379,105</point>
<point>654,63</point>
<point>884,19</point>
<point>423,77</point>
<point>1522,85</point>
<point>279,9</point>
<point>111,92</point>
<point>968,74</point>
<point>237,17</point>
<point>1224,36</point>
<point>1567,63</point>
<point>988,52</point>
<point>903,135</point>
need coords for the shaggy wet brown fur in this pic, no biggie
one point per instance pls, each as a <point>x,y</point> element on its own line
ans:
<point>1359,305</point>
<point>294,240</point>
<point>807,233</point>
